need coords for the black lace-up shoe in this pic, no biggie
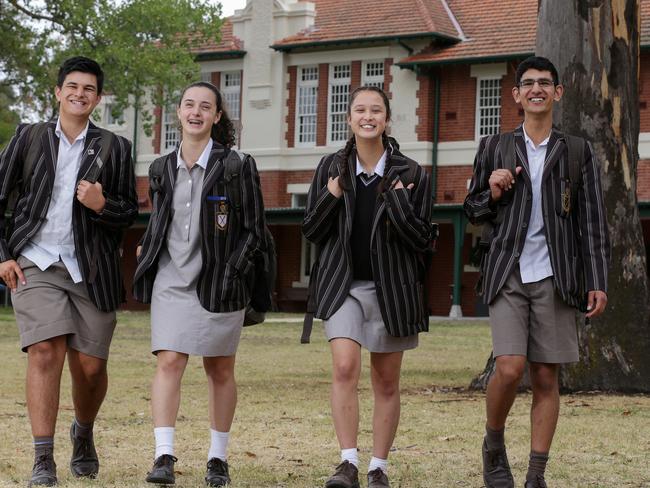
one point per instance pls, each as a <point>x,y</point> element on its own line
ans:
<point>346,475</point>
<point>496,470</point>
<point>377,479</point>
<point>162,472</point>
<point>538,482</point>
<point>84,462</point>
<point>217,474</point>
<point>44,471</point>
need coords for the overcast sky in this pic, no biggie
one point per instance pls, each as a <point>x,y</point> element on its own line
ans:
<point>228,7</point>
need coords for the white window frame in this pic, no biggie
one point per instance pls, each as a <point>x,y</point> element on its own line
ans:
<point>492,128</point>
<point>373,80</point>
<point>108,117</point>
<point>305,84</point>
<point>169,126</point>
<point>336,82</point>
<point>226,92</point>
<point>206,76</point>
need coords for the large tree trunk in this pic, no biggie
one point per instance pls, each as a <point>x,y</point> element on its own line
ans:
<point>595,47</point>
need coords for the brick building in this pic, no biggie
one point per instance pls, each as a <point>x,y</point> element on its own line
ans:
<point>286,69</point>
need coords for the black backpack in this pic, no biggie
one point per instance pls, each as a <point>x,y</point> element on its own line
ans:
<point>575,148</point>
<point>261,281</point>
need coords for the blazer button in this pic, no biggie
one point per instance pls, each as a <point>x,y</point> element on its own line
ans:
<point>517,255</point>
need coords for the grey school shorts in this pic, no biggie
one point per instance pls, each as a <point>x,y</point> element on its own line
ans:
<point>50,305</point>
<point>359,319</point>
<point>532,320</point>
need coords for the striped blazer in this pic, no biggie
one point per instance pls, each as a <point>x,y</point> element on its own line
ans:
<point>578,240</point>
<point>401,232</point>
<point>97,237</point>
<point>228,255</point>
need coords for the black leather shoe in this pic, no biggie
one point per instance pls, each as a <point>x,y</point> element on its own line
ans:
<point>346,475</point>
<point>217,473</point>
<point>84,462</point>
<point>538,482</point>
<point>377,479</point>
<point>162,472</point>
<point>44,471</point>
<point>496,470</point>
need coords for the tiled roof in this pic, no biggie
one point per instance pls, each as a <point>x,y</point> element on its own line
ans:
<point>228,42</point>
<point>492,28</point>
<point>498,29</point>
<point>351,20</point>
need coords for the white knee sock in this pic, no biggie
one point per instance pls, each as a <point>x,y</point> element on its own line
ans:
<point>218,444</point>
<point>351,455</point>
<point>378,463</point>
<point>164,441</point>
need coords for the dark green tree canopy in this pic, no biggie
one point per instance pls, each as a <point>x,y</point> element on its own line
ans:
<point>144,46</point>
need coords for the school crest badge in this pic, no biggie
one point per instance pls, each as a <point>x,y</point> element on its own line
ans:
<point>566,200</point>
<point>222,216</point>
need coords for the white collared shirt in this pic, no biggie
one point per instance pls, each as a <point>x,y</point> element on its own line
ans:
<point>534,262</point>
<point>54,239</point>
<point>379,167</point>
<point>188,183</point>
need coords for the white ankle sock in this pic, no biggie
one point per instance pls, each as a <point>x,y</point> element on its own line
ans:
<point>218,444</point>
<point>164,441</point>
<point>378,463</point>
<point>351,455</point>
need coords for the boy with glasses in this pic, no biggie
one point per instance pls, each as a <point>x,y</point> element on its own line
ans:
<point>538,191</point>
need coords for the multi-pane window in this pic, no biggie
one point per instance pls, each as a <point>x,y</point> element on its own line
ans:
<point>206,76</point>
<point>109,116</point>
<point>339,91</point>
<point>488,106</point>
<point>299,200</point>
<point>231,91</point>
<point>372,74</point>
<point>171,134</point>
<point>307,105</point>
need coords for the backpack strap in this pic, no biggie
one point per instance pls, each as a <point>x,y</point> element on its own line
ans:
<point>156,170</point>
<point>576,154</point>
<point>233,166</point>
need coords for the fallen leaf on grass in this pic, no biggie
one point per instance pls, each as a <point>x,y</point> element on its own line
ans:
<point>447,437</point>
<point>250,454</point>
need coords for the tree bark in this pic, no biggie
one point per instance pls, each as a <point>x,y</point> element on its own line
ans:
<point>595,46</point>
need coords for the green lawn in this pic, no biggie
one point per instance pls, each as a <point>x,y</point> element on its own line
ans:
<point>283,436</point>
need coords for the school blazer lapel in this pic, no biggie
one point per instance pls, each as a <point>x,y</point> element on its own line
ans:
<point>395,166</point>
<point>92,148</point>
<point>522,156</point>
<point>214,170</point>
<point>350,197</point>
<point>50,145</point>
<point>554,152</point>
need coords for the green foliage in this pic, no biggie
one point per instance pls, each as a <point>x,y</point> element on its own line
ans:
<point>9,119</point>
<point>144,46</point>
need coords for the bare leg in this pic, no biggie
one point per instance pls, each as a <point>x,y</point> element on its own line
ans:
<point>44,367</point>
<point>546,405</point>
<point>222,390</point>
<point>166,388</point>
<point>346,359</point>
<point>89,384</point>
<point>502,389</point>
<point>385,373</point>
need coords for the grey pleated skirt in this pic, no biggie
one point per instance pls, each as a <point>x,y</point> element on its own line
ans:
<point>359,319</point>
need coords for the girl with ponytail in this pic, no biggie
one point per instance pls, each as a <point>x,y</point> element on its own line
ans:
<point>368,211</point>
<point>198,293</point>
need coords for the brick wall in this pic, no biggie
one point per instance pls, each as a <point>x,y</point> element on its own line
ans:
<point>274,185</point>
<point>452,183</point>
<point>321,122</point>
<point>291,106</point>
<point>457,103</point>
<point>511,113</point>
<point>142,189</point>
<point>355,75</point>
<point>644,92</point>
<point>643,180</point>
<point>388,77</point>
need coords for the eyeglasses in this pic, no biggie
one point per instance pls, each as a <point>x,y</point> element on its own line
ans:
<point>542,82</point>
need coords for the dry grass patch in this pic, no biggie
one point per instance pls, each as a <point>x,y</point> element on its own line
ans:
<point>283,435</point>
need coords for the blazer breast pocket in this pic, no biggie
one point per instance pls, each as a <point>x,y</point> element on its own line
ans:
<point>218,209</point>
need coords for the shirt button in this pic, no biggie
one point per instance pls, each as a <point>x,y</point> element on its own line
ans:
<point>187,204</point>
<point>189,181</point>
<point>187,226</point>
